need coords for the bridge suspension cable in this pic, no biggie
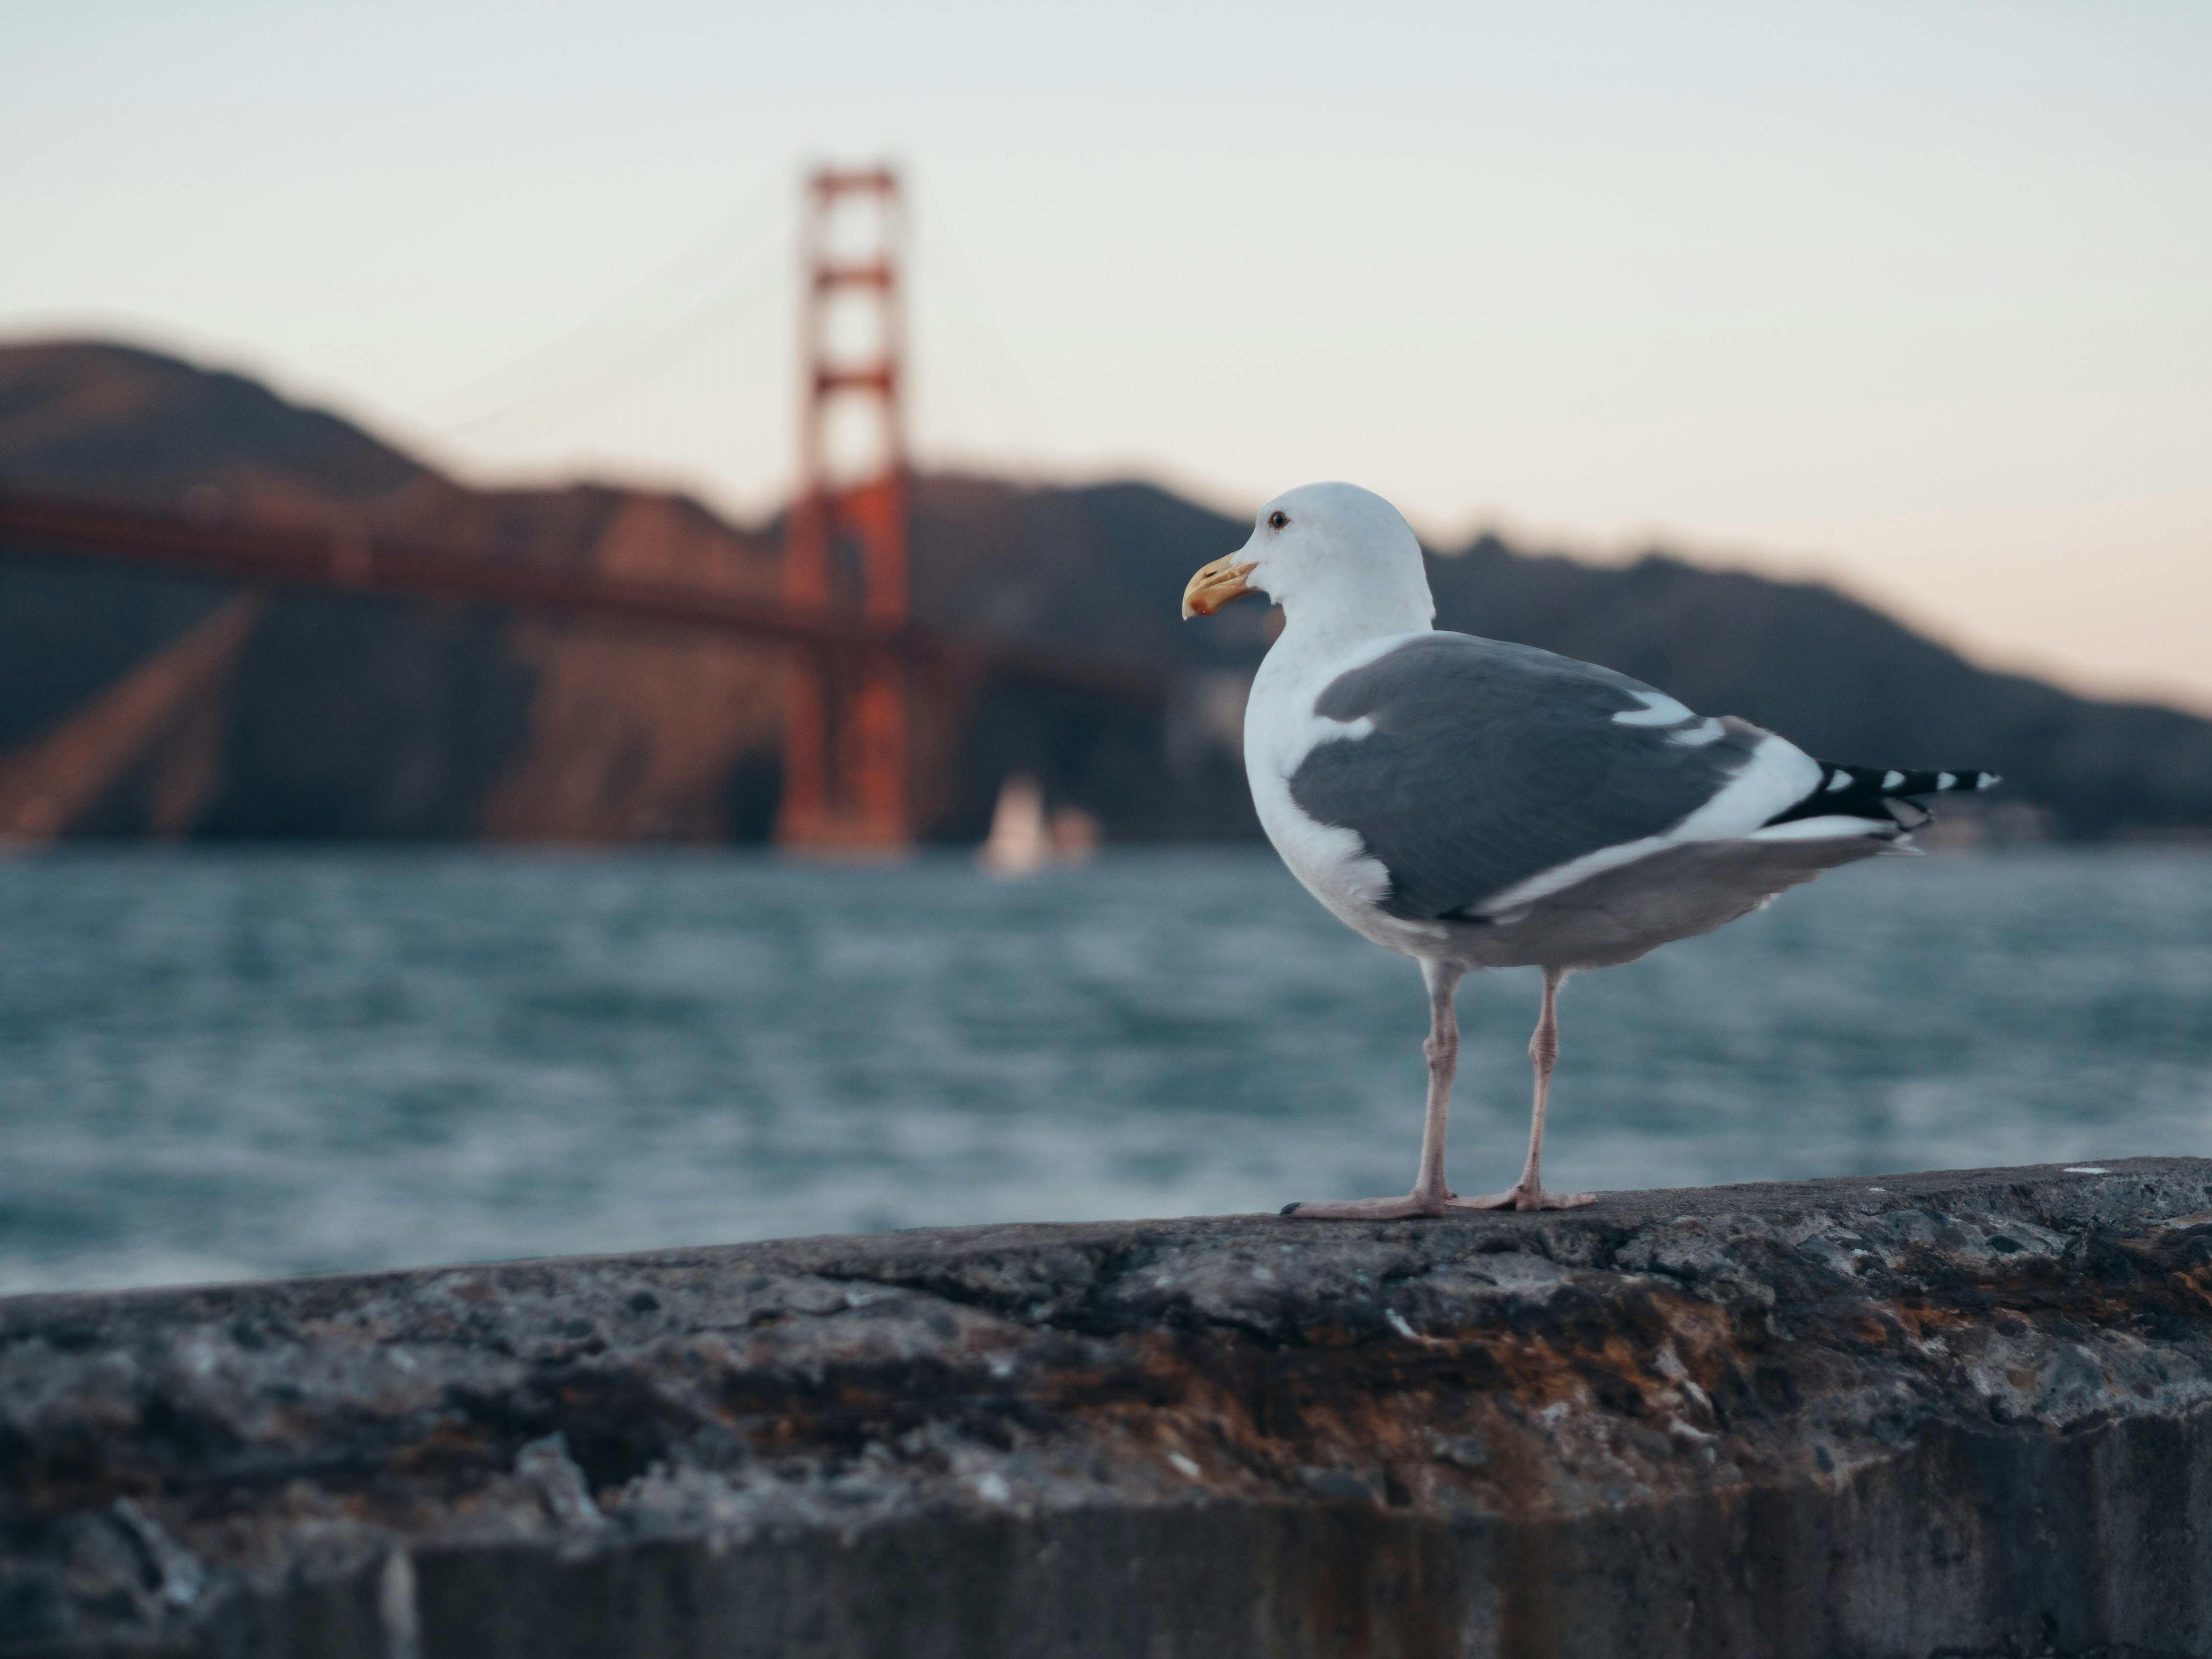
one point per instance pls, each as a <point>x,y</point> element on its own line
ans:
<point>745,243</point>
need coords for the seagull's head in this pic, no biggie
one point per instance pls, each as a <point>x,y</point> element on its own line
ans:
<point>1339,551</point>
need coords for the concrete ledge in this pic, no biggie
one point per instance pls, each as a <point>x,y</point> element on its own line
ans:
<point>1961,1413</point>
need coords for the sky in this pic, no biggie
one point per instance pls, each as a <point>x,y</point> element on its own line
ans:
<point>1916,298</point>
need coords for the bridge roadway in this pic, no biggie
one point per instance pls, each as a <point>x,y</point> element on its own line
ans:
<point>348,560</point>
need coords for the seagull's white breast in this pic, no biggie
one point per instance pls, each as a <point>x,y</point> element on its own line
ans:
<point>1330,861</point>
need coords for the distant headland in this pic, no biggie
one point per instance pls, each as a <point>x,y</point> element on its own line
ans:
<point>140,703</point>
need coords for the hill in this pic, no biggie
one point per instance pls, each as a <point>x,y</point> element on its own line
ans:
<point>136,702</point>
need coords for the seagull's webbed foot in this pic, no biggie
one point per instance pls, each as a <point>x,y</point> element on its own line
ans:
<point>1372,1209</point>
<point>1525,1198</point>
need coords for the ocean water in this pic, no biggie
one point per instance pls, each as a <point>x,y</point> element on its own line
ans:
<point>218,1064</point>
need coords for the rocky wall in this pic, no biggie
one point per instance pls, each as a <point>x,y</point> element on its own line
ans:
<point>1959,1414</point>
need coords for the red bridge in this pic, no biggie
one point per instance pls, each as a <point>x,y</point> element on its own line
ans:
<point>845,620</point>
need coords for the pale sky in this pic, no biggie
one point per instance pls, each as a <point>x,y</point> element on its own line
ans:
<point>1917,297</point>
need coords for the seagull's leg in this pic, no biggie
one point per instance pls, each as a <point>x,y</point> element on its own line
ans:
<point>1430,1196</point>
<point>1442,1052</point>
<point>1528,1193</point>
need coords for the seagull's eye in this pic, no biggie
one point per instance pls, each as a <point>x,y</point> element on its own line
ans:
<point>1278,518</point>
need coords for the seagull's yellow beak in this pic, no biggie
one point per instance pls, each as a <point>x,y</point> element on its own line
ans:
<point>1214,586</point>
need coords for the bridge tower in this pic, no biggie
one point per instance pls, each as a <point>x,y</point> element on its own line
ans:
<point>845,778</point>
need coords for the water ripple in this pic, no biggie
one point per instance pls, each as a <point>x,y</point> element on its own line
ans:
<point>221,1063</point>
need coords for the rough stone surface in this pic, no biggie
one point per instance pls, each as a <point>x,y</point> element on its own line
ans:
<point>1961,1414</point>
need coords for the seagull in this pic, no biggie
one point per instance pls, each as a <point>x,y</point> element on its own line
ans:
<point>1472,804</point>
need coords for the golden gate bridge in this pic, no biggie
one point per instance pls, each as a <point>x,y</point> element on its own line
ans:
<point>844,619</point>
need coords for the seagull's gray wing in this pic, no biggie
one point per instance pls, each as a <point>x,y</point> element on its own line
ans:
<point>1489,763</point>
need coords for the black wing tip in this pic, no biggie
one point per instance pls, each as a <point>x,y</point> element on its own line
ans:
<point>1953,781</point>
<point>1904,781</point>
<point>1291,1208</point>
<point>1959,781</point>
<point>1867,791</point>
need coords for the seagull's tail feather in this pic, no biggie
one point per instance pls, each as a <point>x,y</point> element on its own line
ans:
<point>1883,795</point>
